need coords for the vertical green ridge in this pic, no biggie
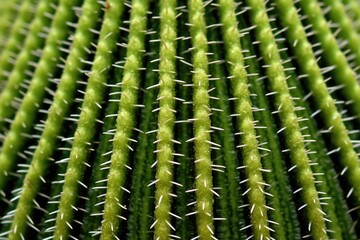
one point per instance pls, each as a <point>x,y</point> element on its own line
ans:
<point>141,202</point>
<point>186,226</point>
<point>332,198</point>
<point>320,162</point>
<point>284,220</point>
<point>284,103</point>
<point>49,217</point>
<point>87,122</point>
<point>225,161</point>
<point>166,119</point>
<point>201,110</point>
<point>274,160</point>
<point>125,119</point>
<point>141,199</point>
<point>243,107</point>
<point>100,165</point>
<point>93,207</point>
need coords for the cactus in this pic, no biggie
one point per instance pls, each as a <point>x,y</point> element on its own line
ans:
<point>168,119</point>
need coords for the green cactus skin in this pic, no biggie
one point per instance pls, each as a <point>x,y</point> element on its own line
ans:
<point>22,66</point>
<point>8,12</point>
<point>177,119</point>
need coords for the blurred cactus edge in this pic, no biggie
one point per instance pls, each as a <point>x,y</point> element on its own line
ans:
<point>174,119</point>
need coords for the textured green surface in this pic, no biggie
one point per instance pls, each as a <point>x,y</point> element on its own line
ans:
<point>178,119</point>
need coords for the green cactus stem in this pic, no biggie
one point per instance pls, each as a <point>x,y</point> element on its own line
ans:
<point>179,119</point>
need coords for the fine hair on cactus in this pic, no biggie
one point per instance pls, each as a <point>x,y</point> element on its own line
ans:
<point>165,119</point>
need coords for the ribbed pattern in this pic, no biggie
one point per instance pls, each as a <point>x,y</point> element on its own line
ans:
<point>178,119</point>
